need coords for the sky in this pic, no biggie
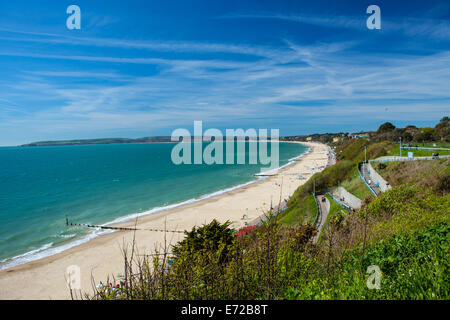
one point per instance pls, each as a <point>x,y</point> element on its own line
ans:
<point>145,68</point>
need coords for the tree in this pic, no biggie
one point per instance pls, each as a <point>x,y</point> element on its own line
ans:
<point>208,237</point>
<point>425,134</point>
<point>442,129</point>
<point>407,137</point>
<point>386,127</point>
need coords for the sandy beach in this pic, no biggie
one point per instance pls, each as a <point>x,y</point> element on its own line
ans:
<point>102,256</point>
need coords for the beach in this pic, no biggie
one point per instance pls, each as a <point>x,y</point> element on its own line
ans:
<point>102,256</point>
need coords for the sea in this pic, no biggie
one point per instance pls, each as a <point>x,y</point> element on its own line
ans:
<point>101,185</point>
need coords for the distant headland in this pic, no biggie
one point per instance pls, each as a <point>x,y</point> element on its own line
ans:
<point>98,141</point>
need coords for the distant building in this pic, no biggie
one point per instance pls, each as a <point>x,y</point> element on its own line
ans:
<point>358,135</point>
<point>308,138</point>
<point>336,139</point>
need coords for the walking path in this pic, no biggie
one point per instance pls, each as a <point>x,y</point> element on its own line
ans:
<point>345,198</point>
<point>323,210</point>
<point>367,176</point>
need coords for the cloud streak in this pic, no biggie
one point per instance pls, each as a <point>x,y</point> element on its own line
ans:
<point>424,27</point>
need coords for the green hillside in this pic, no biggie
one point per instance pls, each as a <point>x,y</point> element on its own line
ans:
<point>404,233</point>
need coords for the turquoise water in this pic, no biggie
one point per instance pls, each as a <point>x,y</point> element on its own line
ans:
<point>97,184</point>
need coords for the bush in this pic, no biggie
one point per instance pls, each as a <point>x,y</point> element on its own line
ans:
<point>386,127</point>
<point>444,184</point>
<point>245,231</point>
<point>208,237</point>
<point>412,267</point>
<point>381,166</point>
<point>350,149</point>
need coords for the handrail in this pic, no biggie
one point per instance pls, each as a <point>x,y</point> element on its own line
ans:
<point>364,180</point>
<point>425,148</point>
<point>343,205</point>
<point>398,158</point>
<point>319,210</point>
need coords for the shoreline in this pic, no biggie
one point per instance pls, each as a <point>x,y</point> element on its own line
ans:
<point>101,256</point>
<point>49,250</point>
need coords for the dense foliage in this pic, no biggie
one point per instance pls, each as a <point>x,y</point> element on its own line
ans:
<point>277,262</point>
<point>214,236</point>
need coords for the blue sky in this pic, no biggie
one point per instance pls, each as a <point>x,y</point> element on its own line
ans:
<point>141,68</point>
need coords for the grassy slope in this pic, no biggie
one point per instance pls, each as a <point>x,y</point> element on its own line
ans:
<point>395,151</point>
<point>408,236</point>
<point>350,149</point>
<point>301,212</point>
<point>437,144</point>
<point>355,186</point>
<point>334,208</point>
<point>425,173</point>
<point>406,209</point>
<point>350,153</point>
<point>419,197</point>
<point>335,212</point>
<point>345,173</point>
<point>401,221</point>
<point>413,266</point>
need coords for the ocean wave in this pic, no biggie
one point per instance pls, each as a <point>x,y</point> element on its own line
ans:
<point>49,250</point>
<point>23,257</point>
<point>66,236</point>
<point>291,161</point>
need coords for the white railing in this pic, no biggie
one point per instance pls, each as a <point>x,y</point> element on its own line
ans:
<point>382,184</point>
<point>364,180</point>
<point>397,158</point>
<point>425,148</point>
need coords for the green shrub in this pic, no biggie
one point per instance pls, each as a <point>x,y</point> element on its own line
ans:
<point>381,166</point>
<point>413,266</point>
<point>443,185</point>
<point>209,237</point>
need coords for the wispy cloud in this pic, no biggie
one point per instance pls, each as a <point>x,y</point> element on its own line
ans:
<point>76,86</point>
<point>425,27</point>
<point>162,46</point>
<point>258,90</point>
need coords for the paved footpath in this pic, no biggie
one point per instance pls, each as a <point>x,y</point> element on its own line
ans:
<point>366,176</point>
<point>323,214</point>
